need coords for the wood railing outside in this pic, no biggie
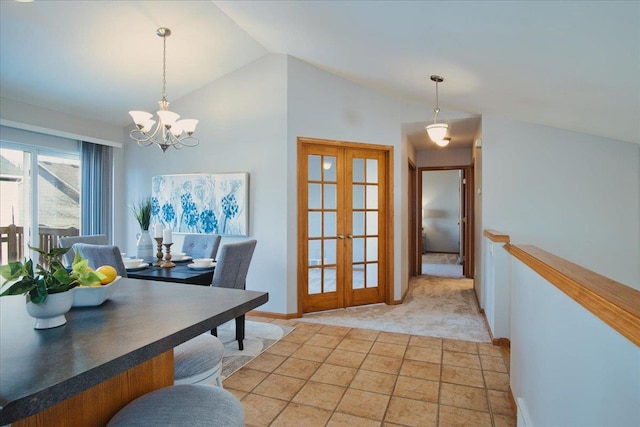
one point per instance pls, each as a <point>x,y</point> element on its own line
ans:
<point>12,238</point>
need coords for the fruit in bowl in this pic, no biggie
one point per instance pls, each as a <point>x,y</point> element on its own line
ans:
<point>91,296</point>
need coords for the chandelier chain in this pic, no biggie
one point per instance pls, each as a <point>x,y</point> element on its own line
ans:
<point>164,66</point>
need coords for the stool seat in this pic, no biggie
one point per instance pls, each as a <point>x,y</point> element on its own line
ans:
<point>192,405</point>
<point>198,360</point>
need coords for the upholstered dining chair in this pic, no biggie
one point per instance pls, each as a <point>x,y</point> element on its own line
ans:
<point>201,245</point>
<point>231,272</point>
<point>98,255</point>
<point>182,405</point>
<point>68,242</point>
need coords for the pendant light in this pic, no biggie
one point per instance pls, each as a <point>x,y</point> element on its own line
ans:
<point>437,131</point>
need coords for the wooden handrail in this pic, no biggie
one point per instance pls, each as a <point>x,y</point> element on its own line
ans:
<point>496,236</point>
<point>614,303</point>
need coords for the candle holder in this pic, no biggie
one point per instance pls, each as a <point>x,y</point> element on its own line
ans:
<point>167,258</point>
<point>159,253</point>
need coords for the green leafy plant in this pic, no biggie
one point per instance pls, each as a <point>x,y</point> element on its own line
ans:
<point>21,279</point>
<point>142,213</point>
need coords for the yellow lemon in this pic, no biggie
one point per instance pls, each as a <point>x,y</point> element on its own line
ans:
<point>109,272</point>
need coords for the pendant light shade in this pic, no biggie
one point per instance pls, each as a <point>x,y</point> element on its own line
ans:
<point>437,131</point>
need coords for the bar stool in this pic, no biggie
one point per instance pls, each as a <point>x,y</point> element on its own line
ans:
<point>190,405</point>
<point>198,360</point>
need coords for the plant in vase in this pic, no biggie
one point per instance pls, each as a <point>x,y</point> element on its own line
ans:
<point>47,289</point>
<point>144,244</point>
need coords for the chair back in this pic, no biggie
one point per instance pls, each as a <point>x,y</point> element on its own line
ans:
<point>69,241</point>
<point>201,245</point>
<point>99,255</point>
<point>233,264</point>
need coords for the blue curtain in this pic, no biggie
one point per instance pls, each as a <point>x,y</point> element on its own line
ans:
<point>97,191</point>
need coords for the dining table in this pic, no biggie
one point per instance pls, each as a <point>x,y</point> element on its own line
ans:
<point>105,356</point>
<point>181,273</point>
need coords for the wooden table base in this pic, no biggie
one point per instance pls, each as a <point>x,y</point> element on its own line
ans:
<point>96,406</point>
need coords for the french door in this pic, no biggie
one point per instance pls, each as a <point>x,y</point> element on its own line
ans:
<point>343,225</point>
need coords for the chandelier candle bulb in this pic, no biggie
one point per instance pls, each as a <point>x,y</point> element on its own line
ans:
<point>166,236</point>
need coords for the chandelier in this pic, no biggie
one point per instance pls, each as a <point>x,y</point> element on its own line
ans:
<point>438,131</point>
<point>167,131</point>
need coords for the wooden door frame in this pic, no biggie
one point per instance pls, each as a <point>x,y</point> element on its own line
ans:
<point>414,247</point>
<point>468,265</point>
<point>388,250</point>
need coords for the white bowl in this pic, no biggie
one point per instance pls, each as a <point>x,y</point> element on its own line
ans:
<point>179,256</point>
<point>132,262</point>
<point>90,296</point>
<point>203,262</point>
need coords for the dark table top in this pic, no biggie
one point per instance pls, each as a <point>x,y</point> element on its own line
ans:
<point>40,368</point>
<point>181,273</point>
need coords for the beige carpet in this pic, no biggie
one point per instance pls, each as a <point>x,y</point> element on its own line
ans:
<point>434,306</point>
<point>441,264</point>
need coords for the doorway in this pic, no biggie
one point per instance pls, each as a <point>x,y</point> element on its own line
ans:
<point>344,227</point>
<point>445,221</point>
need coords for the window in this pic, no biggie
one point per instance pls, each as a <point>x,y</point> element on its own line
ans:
<point>49,205</point>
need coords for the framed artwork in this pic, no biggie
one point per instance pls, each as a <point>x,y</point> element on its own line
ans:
<point>202,203</point>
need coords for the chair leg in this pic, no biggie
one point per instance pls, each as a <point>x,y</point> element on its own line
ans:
<point>214,332</point>
<point>240,331</point>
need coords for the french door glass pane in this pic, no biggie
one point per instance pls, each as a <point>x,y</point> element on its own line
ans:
<point>372,171</point>
<point>372,223</point>
<point>15,185</point>
<point>329,224</point>
<point>358,197</point>
<point>329,167</point>
<point>372,248</point>
<point>358,277</point>
<point>330,196</point>
<point>358,170</point>
<point>329,251</point>
<point>315,224</point>
<point>372,197</point>
<point>315,199</point>
<point>314,281</point>
<point>314,168</point>
<point>372,275</point>
<point>358,249</point>
<point>358,223</point>
<point>329,281</point>
<point>315,254</point>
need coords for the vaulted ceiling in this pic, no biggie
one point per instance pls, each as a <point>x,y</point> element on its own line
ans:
<point>568,64</point>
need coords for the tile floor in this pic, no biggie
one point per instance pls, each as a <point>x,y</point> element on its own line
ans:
<point>322,375</point>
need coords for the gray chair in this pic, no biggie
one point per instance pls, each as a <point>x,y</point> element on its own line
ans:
<point>231,272</point>
<point>198,360</point>
<point>68,242</point>
<point>182,405</point>
<point>98,255</point>
<point>201,245</point>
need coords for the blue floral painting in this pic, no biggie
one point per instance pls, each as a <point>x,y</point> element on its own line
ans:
<point>201,203</point>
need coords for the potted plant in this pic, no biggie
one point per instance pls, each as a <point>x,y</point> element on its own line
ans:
<point>142,212</point>
<point>47,288</point>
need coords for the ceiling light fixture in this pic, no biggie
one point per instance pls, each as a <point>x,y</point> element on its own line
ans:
<point>168,131</point>
<point>443,142</point>
<point>437,131</point>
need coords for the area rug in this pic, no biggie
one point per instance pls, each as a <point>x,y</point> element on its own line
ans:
<point>434,306</point>
<point>258,337</point>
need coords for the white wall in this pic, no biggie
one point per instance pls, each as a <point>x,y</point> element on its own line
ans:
<point>242,129</point>
<point>443,157</point>
<point>575,195</point>
<point>323,105</point>
<point>568,368</point>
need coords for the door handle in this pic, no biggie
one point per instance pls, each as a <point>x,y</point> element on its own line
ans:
<point>340,236</point>
<point>350,236</point>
